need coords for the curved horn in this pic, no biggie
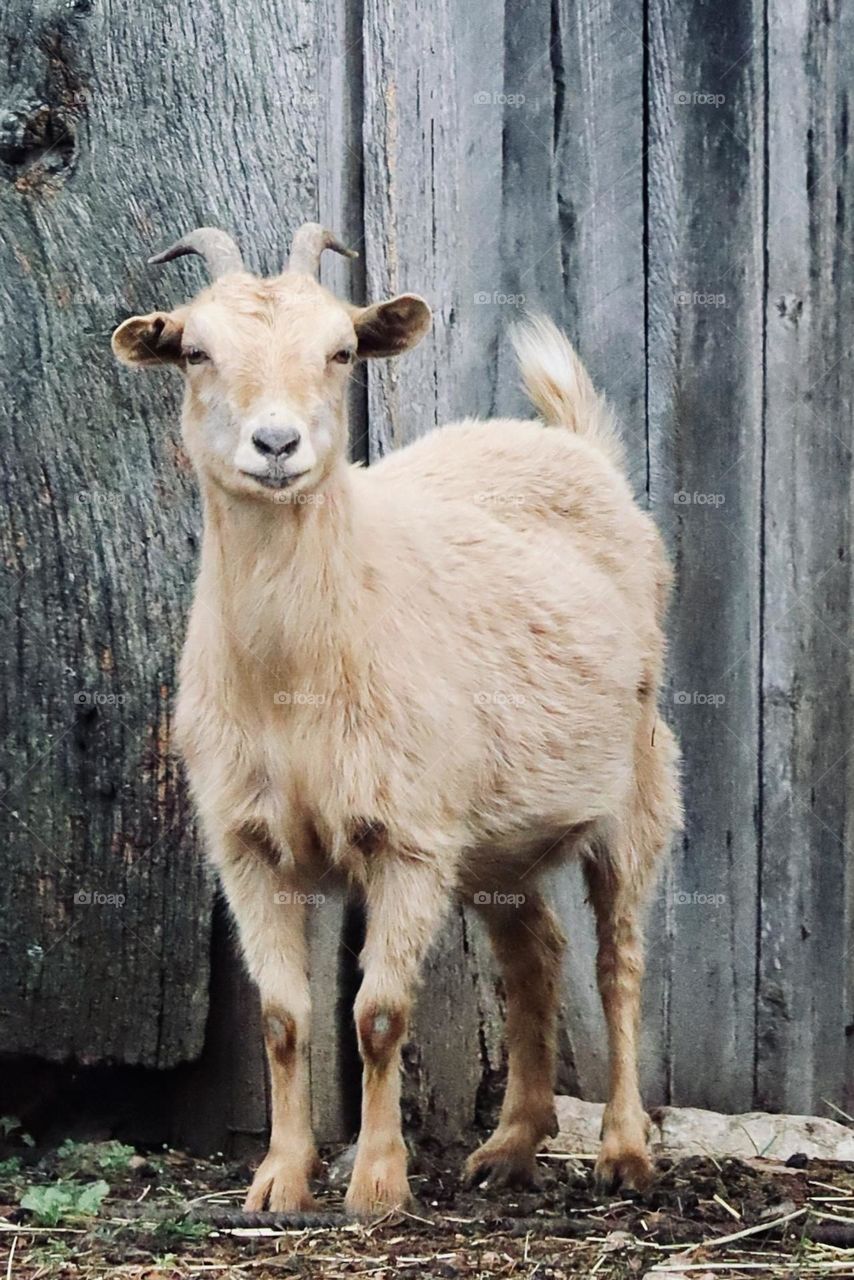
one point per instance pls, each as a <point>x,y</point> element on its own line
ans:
<point>216,247</point>
<point>308,244</point>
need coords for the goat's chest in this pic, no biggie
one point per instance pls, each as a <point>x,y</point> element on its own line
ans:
<point>298,777</point>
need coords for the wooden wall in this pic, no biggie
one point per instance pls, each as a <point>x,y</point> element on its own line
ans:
<point>672,183</point>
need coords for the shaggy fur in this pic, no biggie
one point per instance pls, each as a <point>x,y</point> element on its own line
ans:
<point>436,677</point>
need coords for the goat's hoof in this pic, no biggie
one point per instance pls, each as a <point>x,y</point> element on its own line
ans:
<point>500,1167</point>
<point>378,1188</point>
<point>280,1188</point>
<point>624,1169</point>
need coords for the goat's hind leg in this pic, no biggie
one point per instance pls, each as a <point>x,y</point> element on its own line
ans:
<point>620,871</point>
<point>528,944</point>
<point>616,900</point>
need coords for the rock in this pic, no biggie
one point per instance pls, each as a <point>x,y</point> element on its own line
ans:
<point>689,1131</point>
<point>578,1125</point>
<point>339,1171</point>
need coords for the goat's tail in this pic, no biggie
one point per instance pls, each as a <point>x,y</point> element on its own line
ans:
<point>559,385</point>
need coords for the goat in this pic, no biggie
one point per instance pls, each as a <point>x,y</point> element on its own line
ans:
<point>435,676</point>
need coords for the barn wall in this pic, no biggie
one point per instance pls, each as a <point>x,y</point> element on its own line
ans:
<point>673,185</point>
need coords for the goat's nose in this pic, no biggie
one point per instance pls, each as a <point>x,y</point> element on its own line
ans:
<point>277,442</point>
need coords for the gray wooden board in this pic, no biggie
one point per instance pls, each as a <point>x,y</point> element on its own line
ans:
<point>804,997</point>
<point>705,279</point>
<point>591,279</point>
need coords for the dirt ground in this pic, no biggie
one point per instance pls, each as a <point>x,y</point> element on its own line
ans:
<point>102,1210</point>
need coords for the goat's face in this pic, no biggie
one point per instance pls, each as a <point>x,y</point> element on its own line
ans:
<point>266,364</point>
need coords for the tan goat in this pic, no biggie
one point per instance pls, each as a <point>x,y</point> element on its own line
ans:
<point>436,677</point>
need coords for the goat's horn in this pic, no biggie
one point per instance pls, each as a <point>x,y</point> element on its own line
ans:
<point>216,247</point>
<point>308,244</point>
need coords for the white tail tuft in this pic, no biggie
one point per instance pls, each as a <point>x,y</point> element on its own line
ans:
<point>559,385</point>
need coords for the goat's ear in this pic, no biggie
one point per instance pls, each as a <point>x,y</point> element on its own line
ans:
<point>388,328</point>
<point>149,340</point>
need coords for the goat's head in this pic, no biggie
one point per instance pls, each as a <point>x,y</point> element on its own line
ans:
<point>266,363</point>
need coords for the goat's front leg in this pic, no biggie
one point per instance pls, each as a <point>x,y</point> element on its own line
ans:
<point>270,916</point>
<point>405,902</point>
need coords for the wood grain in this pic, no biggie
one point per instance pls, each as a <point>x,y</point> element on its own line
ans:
<point>705,370</point>
<point>805,957</point>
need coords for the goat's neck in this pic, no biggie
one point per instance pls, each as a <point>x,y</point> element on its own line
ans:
<point>283,580</point>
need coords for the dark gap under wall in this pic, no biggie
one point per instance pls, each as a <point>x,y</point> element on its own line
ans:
<point>206,1106</point>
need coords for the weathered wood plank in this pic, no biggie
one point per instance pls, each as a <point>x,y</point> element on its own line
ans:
<point>117,141</point>
<point>597,59</point>
<point>591,279</point>
<point>804,972</point>
<point>532,256</point>
<point>340,170</point>
<point>705,275</point>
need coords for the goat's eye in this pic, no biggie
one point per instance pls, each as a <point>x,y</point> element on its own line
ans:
<point>344,356</point>
<point>195,355</point>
